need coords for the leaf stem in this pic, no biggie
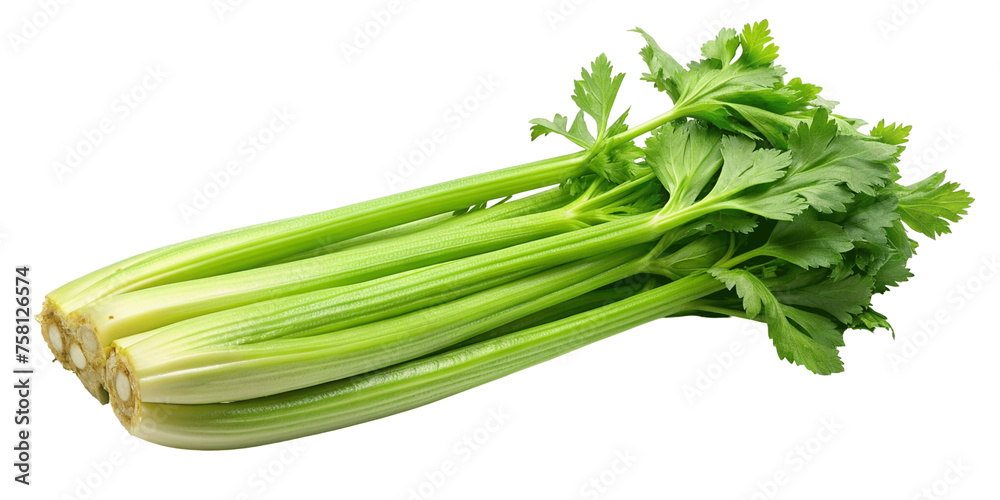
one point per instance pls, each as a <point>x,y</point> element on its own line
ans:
<point>386,392</point>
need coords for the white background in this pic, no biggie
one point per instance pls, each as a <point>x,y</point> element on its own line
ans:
<point>898,428</point>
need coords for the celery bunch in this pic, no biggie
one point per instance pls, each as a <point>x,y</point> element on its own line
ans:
<point>748,198</point>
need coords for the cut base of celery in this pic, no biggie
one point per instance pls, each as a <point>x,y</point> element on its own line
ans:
<point>75,354</point>
<point>123,389</point>
<point>84,370</point>
<point>75,347</point>
<point>86,359</point>
<point>92,377</point>
<point>55,332</point>
<point>87,336</point>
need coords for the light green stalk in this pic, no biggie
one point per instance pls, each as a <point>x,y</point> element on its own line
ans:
<point>549,199</point>
<point>245,371</point>
<point>126,314</point>
<point>379,394</point>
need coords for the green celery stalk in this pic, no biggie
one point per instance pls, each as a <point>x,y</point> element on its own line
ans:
<point>258,245</point>
<point>393,390</point>
<point>245,371</point>
<point>252,246</point>
<point>341,307</point>
<point>811,224</point>
<point>125,314</point>
<point>85,353</point>
<point>591,300</point>
<point>121,315</point>
<point>329,310</point>
<point>549,199</point>
<point>692,257</point>
<point>744,95</point>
